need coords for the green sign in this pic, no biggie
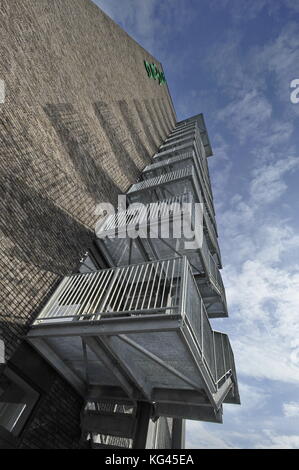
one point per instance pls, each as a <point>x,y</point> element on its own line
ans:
<point>154,72</point>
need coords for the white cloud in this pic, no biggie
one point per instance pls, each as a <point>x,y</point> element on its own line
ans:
<point>198,437</point>
<point>244,11</point>
<point>276,441</point>
<point>267,184</point>
<point>149,22</point>
<point>247,114</point>
<point>259,244</point>
<point>291,410</point>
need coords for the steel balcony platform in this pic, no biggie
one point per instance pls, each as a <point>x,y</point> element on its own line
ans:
<point>168,185</point>
<point>179,140</point>
<point>185,148</point>
<point>158,231</point>
<point>174,137</point>
<point>179,162</point>
<point>200,124</point>
<point>191,144</point>
<point>143,330</point>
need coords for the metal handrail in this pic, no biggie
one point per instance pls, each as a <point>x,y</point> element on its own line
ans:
<point>172,176</point>
<point>168,161</point>
<point>195,147</point>
<point>178,135</point>
<point>180,139</point>
<point>149,288</point>
<point>162,179</point>
<point>159,288</point>
<point>144,214</point>
<point>179,158</point>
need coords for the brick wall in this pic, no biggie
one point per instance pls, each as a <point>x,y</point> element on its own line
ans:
<point>80,120</point>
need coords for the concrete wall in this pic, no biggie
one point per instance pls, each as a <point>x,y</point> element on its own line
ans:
<point>81,118</point>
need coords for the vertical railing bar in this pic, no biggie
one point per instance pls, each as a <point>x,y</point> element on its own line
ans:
<point>165,282</point>
<point>180,263</point>
<point>98,289</point>
<point>120,282</point>
<point>141,284</point>
<point>49,305</point>
<point>127,271</point>
<point>140,267</point>
<point>135,271</point>
<point>112,286</point>
<point>71,294</point>
<point>112,294</point>
<point>65,294</point>
<point>182,291</point>
<point>153,285</point>
<point>159,283</point>
<point>108,276</point>
<point>171,282</point>
<point>101,288</point>
<point>224,360</point>
<point>215,360</point>
<point>81,293</point>
<point>77,293</point>
<point>88,294</point>
<point>147,286</point>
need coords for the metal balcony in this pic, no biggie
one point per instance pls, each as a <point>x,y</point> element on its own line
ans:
<point>160,230</point>
<point>200,122</point>
<point>170,184</point>
<point>177,141</point>
<point>176,163</point>
<point>172,137</point>
<point>183,128</point>
<point>191,146</point>
<point>162,208</point>
<point>140,333</point>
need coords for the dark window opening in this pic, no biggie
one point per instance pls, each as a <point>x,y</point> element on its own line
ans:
<point>17,400</point>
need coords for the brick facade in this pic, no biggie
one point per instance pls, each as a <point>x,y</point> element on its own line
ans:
<point>80,121</point>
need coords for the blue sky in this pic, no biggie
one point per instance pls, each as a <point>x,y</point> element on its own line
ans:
<point>234,60</point>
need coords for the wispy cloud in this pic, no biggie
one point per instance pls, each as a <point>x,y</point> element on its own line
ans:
<point>291,410</point>
<point>242,81</point>
<point>149,22</point>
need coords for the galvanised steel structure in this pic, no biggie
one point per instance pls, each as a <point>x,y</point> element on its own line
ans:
<point>135,339</point>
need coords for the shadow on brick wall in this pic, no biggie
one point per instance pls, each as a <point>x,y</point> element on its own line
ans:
<point>41,232</point>
<point>84,150</point>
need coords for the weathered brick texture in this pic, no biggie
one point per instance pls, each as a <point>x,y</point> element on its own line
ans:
<point>80,121</point>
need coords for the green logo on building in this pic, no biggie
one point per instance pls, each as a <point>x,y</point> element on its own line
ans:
<point>154,73</point>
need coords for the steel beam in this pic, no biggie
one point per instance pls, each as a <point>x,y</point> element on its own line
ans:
<point>159,361</point>
<point>105,356</point>
<point>57,363</point>
<point>115,326</point>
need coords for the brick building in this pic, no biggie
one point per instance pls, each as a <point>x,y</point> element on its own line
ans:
<point>80,121</point>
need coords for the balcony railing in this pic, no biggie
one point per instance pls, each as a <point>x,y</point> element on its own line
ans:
<point>152,320</point>
<point>160,230</point>
<point>142,289</point>
<point>190,147</point>
<point>183,128</point>
<point>178,135</point>
<point>175,163</point>
<point>169,184</point>
<point>177,141</point>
